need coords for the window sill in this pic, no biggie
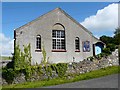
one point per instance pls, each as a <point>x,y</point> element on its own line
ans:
<point>38,50</point>
<point>59,51</point>
<point>86,51</point>
<point>77,51</point>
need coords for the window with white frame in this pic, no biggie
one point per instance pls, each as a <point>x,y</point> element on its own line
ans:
<point>58,39</point>
<point>38,42</point>
<point>77,44</point>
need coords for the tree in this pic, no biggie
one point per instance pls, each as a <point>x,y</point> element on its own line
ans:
<point>117,31</point>
<point>117,36</point>
<point>106,39</point>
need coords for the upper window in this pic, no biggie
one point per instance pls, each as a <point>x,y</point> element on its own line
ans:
<point>38,42</point>
<point>58,37</point>
<point>77,44</point>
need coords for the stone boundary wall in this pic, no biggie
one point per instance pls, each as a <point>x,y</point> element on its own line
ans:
<point>84,66</point>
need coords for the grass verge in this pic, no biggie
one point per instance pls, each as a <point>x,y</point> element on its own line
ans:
<point>56,81</point>
<point>5,58</point>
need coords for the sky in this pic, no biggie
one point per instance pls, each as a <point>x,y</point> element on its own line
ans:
<point>101,18</point>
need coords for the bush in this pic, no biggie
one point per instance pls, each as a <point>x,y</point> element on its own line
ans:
<point>8,74</point>
<point>111,46</point>
<point>22,60</point>
<point>107,51</point>
<point>102,54</point>
<point>60,68</point>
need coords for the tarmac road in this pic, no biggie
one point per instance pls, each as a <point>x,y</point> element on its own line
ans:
<point>110,81</point>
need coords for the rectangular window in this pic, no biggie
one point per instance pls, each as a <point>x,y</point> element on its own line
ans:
<point>86,46</point>
<point>58,41</point>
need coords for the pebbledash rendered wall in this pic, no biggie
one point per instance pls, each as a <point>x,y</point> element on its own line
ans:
<point>43,26</point>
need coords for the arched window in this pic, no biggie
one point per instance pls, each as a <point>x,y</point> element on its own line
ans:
<point>77,47</point>
<point>38,42</point>
<point>58,37</point>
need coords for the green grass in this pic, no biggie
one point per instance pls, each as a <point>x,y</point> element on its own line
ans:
<point>5,58</point>
<point>56,81</point>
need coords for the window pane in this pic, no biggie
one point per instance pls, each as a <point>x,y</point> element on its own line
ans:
<point>53,33</point>
<point>62,34</point>
<point>63,44</point>
<point>54,44</point>
<point>58,34</point>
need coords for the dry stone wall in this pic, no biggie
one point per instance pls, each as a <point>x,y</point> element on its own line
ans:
<point>88,65</point>
<point>84,66</point>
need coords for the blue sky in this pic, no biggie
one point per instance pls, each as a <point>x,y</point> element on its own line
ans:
<point>17,14</point>
<point>88,14</point>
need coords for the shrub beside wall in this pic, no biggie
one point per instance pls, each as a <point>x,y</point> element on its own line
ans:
<point>19,72</point>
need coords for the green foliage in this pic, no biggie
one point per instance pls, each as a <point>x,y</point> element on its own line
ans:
<point>48,71</point>
<point>111,47</point>
<point>10,64</point>
<point>117,31</point>
<point>117,36</point>
<point>44,61</point>
<point>16,57</point>
<point>22,64</point>
<point>6,57</point>
<point>106,39</point>
<point>98,56</point>
<point>54,67</point>
<point>61,69</point>
<point>107,51</point>
<point>8,74</point>
<point>22,60</point>
<point>117,39</point>
<point>56,81</point>
<point>112,42</point>
<point>28,72</point>
<point>103,54</point>
<point>27,55</point>
<point>39,70</point>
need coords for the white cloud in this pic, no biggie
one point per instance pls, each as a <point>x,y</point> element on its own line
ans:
<point>6,45</point>
<point>104,22</point>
